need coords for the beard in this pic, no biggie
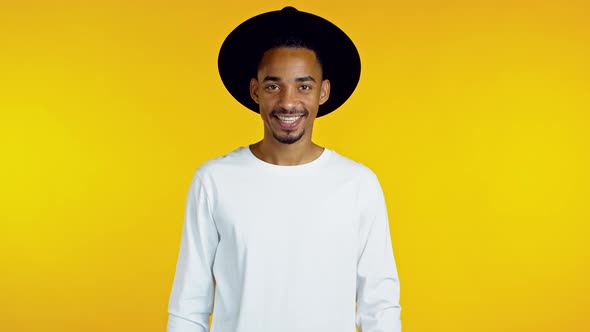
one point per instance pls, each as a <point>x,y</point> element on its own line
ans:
<point>287,139</point>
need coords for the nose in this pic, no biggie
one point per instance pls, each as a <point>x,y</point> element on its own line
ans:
<point>289,98</point>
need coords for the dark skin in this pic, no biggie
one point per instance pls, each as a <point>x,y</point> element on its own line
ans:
<point>289,90</point>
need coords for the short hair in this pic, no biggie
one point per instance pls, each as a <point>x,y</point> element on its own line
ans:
<point>290,42</point>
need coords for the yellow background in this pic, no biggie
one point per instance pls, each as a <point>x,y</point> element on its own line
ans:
<point>475,116</point>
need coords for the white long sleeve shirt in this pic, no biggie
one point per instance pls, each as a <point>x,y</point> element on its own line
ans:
<point>268,248</point>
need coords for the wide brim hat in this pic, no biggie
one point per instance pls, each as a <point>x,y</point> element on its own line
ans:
<point>243,48</point>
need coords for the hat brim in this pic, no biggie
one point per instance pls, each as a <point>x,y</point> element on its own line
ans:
<point>241,52</point>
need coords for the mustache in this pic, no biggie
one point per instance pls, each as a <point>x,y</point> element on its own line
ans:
<point>284,111</point>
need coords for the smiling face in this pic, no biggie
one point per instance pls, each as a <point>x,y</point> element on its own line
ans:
<point>289,90</point>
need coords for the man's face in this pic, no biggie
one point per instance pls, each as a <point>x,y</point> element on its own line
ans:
<point>289,90</point>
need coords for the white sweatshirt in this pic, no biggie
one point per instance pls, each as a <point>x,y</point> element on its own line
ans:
<point>268,248</point>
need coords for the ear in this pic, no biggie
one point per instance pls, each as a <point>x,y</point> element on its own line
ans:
<point>254,89</point>
<point>324,91</point>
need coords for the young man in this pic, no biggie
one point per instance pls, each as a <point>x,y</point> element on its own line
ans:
<point>284,235</point>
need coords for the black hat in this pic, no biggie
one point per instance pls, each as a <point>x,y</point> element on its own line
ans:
<point>244,46</point>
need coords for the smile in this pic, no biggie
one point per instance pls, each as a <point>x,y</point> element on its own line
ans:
<point>288,119</point>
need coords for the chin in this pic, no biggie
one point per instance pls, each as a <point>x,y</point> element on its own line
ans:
<point>290,139</point>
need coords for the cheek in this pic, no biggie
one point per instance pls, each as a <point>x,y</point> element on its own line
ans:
<point>265,107</point>
<point>313,101</point>
<point>267,99</point>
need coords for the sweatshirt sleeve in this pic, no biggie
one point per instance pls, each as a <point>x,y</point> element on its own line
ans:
<point>191,299</point>
<point>378,289</point>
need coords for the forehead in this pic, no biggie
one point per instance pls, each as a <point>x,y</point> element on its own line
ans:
<point>288,61</point>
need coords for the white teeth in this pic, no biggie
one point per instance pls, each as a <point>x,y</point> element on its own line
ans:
<point>288,119</point>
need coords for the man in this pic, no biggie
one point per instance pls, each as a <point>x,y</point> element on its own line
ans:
<point>284,235</point>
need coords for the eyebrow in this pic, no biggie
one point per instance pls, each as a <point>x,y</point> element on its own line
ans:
<point>305,79</point>
<point>298,79</point>
<point>271,78</point>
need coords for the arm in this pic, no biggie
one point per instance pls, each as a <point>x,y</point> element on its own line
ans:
<point>378,308</point>
<point>191,298</point>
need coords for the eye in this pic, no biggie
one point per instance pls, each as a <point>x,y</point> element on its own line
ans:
<point>272,87</point>
<point>305,87</point>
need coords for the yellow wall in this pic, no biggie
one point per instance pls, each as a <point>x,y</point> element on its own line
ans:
<point>475,116</point>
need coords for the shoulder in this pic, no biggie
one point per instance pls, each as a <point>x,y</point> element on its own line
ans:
<point>223,165</point>
<point>366,183</point>
<point>352,167</point>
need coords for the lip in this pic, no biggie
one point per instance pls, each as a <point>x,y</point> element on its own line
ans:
<point>288,126</point>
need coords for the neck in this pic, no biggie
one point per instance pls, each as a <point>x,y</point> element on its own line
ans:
<point>274,152</point>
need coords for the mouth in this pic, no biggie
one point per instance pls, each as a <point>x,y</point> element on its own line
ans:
<point>288,121</point>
